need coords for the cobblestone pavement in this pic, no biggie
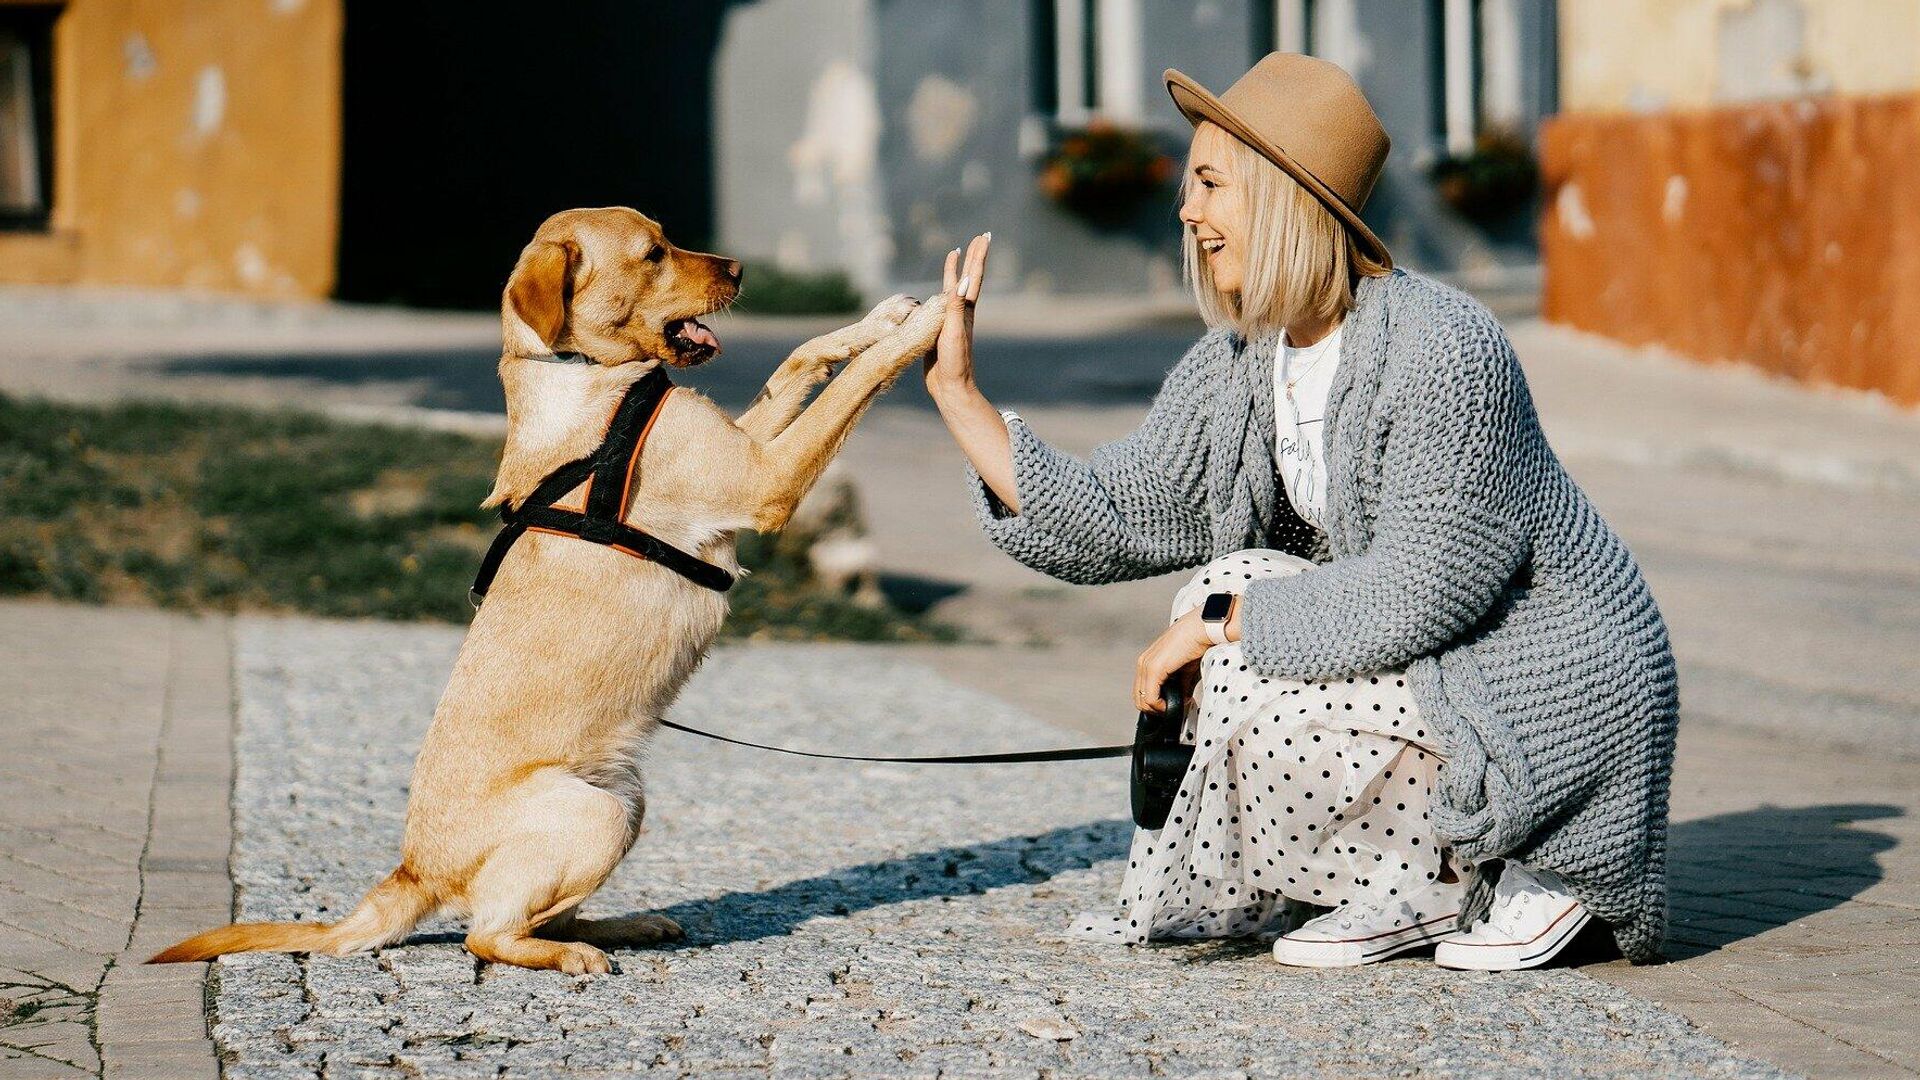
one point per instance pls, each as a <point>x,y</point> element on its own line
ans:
<point>842,920</point>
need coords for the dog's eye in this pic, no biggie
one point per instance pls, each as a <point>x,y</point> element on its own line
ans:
<point>656,253</point>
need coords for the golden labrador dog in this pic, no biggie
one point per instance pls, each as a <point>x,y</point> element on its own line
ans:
<point>527,791</point>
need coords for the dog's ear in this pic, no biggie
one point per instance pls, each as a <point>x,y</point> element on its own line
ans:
<point>541,287</point>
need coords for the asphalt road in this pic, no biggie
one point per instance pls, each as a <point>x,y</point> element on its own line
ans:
<point>1110,369</point>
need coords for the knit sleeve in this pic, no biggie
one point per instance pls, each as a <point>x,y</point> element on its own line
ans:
<point>1446,538</point>
<point>1135,508</point>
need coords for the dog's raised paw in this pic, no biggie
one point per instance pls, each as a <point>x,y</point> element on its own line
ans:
<point>894,309</point>
<point>924,324</point>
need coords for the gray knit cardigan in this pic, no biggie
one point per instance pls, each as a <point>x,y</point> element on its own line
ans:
<point>1456,547</point>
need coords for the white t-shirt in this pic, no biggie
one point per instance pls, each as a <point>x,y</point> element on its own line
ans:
<point>1299,448</point>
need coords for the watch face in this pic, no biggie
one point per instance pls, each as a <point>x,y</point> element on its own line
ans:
<point>1217,607</point>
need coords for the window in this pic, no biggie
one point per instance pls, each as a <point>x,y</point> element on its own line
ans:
<point>26,116</point>
<point>1283,26</point>
<point>1087,60</point>
<point>1457,64</point>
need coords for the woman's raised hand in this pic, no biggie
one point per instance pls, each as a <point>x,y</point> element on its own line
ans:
<point>950,365</point>
<point>976,425</point>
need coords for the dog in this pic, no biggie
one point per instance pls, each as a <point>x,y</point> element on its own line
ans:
<point>527,790</point>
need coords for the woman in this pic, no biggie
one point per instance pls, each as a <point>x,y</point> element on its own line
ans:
<point>1435,694</point>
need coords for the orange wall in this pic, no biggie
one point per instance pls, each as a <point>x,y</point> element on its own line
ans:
<point>1783,235</point>
<point>198,145</point>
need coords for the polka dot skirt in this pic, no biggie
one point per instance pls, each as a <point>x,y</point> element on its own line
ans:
<point>1311,791</point>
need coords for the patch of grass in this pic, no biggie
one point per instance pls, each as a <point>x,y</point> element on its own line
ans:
<point>200,507</point>
<point>769,290</point>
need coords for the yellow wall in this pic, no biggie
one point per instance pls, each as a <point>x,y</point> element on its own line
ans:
<point>198,146</point>
<point>1685,54</point>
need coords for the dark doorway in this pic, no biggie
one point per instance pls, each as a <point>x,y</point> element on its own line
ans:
<point>465,125</point>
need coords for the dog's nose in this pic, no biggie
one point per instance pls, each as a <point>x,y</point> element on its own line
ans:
<point>734,271</point>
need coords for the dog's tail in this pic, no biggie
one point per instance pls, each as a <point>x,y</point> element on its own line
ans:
<point>384,916</point>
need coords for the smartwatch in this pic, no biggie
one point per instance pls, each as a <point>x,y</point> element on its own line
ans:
<point>1213,616</point>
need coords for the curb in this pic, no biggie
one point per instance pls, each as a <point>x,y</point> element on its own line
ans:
<point>152,1020</point>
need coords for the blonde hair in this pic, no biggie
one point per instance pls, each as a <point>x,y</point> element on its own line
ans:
<point>1302,263</point>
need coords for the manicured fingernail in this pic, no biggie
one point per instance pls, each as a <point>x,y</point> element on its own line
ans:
<point>986,236</point>
<point>956,251</point>
<point>961,289</point>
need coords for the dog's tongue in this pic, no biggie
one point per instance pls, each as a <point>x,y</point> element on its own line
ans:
<point>697,332</point>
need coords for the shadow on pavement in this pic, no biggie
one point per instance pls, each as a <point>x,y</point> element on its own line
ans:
<point>1737,875</point>
<point>954,871</point>
<point>1733,876</point>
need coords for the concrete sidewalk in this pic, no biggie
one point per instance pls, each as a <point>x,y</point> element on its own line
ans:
<point>115,772</point>
<point>872,912</point>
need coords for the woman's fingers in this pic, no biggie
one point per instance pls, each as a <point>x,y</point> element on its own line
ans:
<point>1146,687</point>
<point>976,266</point>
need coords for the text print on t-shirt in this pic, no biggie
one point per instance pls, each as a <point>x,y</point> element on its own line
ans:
<point>1303,378</point>
<point>1299,471</point>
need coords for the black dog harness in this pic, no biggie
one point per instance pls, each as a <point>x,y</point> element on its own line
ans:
<point>601,518</point>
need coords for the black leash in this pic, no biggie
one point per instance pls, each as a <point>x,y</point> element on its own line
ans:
<point>1072,753</point>
<point>608,474</point>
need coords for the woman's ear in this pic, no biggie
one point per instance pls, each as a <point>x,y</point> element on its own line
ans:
<point>540,289</point>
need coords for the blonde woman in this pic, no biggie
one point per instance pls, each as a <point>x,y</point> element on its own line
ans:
<point>1433,694</point>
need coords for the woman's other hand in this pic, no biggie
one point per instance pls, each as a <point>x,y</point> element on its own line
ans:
<point>1181,644</point>
<point>949,367</point>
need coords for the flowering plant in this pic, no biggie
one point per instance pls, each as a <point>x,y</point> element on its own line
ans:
<point>1491,182</point>
<point>1103,172</point>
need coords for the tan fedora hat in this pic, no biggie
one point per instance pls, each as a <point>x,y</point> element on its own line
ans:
<point>1309,117</point>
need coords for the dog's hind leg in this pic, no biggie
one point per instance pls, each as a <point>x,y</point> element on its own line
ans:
<point>622,932</point>
<point>568,837</point>
<point>521,949</point>
<point>809,365</point>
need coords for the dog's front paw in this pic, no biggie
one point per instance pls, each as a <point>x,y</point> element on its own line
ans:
<point>922,327</point>
<point>893,310</point>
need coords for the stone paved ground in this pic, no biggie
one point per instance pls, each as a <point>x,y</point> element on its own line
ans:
<point>867,921</point>
<point>1777,525</point>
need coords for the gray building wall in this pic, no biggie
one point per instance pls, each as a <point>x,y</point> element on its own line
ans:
<point>796,131</point>
<point>875,135</point>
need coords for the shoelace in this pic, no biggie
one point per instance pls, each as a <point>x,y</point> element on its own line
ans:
<point>1367,911</point>
<point>1509,913</point>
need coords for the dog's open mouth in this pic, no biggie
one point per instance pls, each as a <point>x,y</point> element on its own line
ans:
<point>692,341</point>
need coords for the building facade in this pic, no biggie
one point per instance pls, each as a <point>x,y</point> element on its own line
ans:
<point>874,135</point>
<point>1733,180</point>
<point>176,143</point>
<point>403,152</point>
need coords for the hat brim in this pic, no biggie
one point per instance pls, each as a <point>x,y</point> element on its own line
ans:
<point>1197,103</point>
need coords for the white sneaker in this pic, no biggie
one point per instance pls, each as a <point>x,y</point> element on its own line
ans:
<point>1368,932</point>
<point>1533,917</point>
